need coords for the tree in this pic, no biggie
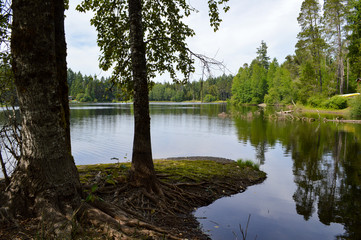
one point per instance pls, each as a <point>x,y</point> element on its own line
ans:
<point>311,44</point>
<point>354,24</point>
<point>262,57</point>
<point>335,12</point>
<point>46,181</point>
<point>151,34</point>
<point>258,82</point>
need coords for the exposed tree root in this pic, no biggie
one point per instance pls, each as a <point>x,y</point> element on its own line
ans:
<point>136,211</point>
<point>120,210</point>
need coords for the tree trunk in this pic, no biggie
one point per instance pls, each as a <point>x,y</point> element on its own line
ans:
<point>46,181</point>
<point>341,66</point>
<point>142,170</point>
<point>348,73</point>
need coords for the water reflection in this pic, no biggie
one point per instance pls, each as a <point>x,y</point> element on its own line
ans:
<point>313,188</point>
<point>326,169</point>
<point>101,132</point>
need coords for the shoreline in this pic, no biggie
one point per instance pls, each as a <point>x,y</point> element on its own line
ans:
<point>187,183</point>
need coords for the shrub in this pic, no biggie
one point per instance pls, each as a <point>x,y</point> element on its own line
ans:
<point>209,98</point>
<point>315,101</point>
<point>356,107</point>
<point>336,102</point>
<point>248,163</point>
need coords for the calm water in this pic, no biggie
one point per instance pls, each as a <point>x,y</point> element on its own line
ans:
<point>314,170</point>
<point>313,188</point>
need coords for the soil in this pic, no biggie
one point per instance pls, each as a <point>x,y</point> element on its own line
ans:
<point>187,184</point>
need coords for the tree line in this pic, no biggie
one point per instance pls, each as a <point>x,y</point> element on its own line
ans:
<point>326,61</point>
<point>85,88</point>
<point>213,89</point>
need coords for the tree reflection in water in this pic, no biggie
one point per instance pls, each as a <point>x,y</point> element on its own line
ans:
<point>326,165</point>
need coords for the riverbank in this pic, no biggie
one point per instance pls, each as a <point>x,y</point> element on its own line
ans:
<point>187,184</point>
<point>308,109</point>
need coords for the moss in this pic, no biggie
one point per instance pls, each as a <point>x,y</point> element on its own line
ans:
<point>198,170</point>
<point>178,170</point>
<point>89,172</point>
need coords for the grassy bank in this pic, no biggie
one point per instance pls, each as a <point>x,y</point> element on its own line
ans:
<point>188,183</point>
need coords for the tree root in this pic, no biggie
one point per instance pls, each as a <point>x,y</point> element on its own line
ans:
<point>118,224</point>
<point>125,211</point>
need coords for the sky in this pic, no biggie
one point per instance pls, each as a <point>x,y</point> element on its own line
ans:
<point>243,27</point>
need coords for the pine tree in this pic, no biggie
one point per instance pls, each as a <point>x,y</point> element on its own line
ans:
<point>335,12</point>
<point>310,46</point>
<point>262,57</point>
<point>354,24</point>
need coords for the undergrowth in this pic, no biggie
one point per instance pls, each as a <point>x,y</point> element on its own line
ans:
<point>247,163</point>
<point>356,107</point>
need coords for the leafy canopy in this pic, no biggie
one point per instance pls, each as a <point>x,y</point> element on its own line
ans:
<point>165,36</point>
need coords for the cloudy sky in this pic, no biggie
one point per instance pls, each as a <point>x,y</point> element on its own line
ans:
<point>243,28</point>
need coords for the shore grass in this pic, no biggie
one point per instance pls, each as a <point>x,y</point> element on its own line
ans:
<point>180,170</point>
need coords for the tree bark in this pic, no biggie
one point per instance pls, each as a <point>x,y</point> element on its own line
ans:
<point>142,170</point>
<point>46,181</point>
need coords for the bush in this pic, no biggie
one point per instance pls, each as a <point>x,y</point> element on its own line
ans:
<point>272,97</point>
<point>356,107</point>
<point>209,98</point>
<point>315,101</point>
<point>248,163</point>
<point>336,102</point>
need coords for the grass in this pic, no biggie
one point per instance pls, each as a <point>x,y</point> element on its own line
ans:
<point>247,163</point>
<point>175,170</point>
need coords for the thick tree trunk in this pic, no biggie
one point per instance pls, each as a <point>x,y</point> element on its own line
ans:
<point>46,182</point>
<point>142,170</point>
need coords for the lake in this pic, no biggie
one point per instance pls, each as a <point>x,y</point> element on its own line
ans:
<point>313,188</point>
<point>313,185</point>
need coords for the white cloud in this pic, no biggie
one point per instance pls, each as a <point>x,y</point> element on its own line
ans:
<point>243,28</point>
<point>81,37</point>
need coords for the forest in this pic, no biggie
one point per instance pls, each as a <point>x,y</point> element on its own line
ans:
<point>327,61</point>
<point>91,89</point>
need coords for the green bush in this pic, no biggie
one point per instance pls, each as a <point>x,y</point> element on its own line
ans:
<point>248,163</point>
<point>336,102</point>
<point>315,101</point>
<point>209,98</point>
<point>356,107</point>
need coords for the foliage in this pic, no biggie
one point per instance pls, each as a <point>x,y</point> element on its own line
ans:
<point>91,89</point>
<point>247,163</point>
<point>165,35</point>
<point>335,102</point>
<point>262,57</point>
<point>256,84</point>
<point>356,107</point>
<point>317,70</point>
<point>354,25</point>
<point>315,101</point>
<point>209,98</point>
<point>212,89</point>
<point>334,18</point>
